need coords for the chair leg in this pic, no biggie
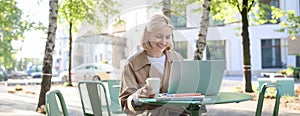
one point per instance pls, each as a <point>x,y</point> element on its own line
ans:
<point>261,100</point>
<point>277,102</point>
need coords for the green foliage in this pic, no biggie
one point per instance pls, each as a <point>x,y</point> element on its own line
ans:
<point>67,84</point>
<point>11,28</point>
<point>264,13</point>
<point>291,25</point>
<point>108,8</point>
<point>227,11</point>
<point>74,12</point>
<point>224,10</point>
<point>259,13</point>
<point>119,21</point>
<point>290,71</point>
<point>77,11</point>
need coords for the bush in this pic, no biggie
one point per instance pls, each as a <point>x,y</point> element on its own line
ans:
<point>290,71</point>
<point>296,72</point>
<point>66,83</point>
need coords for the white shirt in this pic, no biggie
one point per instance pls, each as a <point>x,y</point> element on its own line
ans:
<point>158,63</point>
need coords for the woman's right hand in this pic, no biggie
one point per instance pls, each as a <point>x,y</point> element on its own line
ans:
<point>146,92</point>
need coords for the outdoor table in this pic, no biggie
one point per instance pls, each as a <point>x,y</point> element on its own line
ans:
<point>194,106</point>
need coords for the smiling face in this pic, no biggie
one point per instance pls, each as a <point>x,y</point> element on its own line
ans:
<point>160,40</point>
<point>157,35</point>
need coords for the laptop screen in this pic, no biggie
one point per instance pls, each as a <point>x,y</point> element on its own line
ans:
<point>196,76</point>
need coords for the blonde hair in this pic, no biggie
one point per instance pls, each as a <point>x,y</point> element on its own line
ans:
<point>156,22</point>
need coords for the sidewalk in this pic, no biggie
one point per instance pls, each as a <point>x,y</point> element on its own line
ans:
<point>23,103</point>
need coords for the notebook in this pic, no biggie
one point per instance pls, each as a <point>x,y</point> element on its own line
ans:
<point>196,76</point>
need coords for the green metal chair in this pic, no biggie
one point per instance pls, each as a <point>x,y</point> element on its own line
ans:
<point>262,96</point>
<point>114,92</point>
<point>90,96</point>
<point>52,108</point>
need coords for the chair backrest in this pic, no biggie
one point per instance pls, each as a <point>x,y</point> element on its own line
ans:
<point>261,98</point>
<point>52,107</point>
<point>90,96</point>
<point>114,92</point>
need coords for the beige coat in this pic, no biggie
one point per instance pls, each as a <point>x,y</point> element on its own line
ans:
<point>134,77</point>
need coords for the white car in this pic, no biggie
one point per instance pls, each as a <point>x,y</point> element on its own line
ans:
<point>91,71</point>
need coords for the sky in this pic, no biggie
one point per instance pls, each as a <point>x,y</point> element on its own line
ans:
<point>34,42</point>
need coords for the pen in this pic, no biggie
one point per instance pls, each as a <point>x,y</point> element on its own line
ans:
<point>181,94</point>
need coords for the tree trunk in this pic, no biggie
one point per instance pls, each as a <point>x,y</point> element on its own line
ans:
<point>48,58</point>
<point>201,42</point>
<point>166,8</point>
<point>246,47</point>
<point>70,55</point>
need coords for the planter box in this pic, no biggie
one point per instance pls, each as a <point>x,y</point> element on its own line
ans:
<point>286,85</point>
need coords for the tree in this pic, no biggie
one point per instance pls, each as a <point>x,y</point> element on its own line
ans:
<point>166,8</point>
<point>244,10</point>
<point>201,42</point>
<point>222,10</point>
<point>77,11</point>
<point>48,58</point>
<point>74,12</point>
<point>11,28</point>
<point>262,13</point>
<point>179,4</point>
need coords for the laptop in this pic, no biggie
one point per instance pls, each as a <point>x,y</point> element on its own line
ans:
<point>196,76</point>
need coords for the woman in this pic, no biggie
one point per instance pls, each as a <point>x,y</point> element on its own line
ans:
<point>154,61</point>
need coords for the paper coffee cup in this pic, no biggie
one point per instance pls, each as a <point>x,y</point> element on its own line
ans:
<point>154,83</point>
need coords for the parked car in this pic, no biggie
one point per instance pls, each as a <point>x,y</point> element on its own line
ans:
<point>13,74</point>
<point>91,71</point>
<point>3,76</point>
<point>19,75</point>
<point>36,71</point>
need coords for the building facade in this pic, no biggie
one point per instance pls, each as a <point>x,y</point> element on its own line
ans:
<point>269,49</point>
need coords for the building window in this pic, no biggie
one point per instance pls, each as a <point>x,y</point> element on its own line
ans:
<point>271,53</point>
<point>271,2</point>
<point>178,16</point>
<point>297,61</point>
<point>215,50</point>
<point>215,22</point>
<point>181,48</point>
<point>178,21</point>
<point>268,13</point>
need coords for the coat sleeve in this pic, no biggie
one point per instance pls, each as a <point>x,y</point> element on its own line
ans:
<point>129,86</point>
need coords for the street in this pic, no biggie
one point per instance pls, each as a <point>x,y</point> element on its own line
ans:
<point>24,102</point>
